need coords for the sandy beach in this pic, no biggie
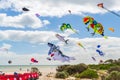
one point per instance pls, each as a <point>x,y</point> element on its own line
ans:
<point>48,72</point>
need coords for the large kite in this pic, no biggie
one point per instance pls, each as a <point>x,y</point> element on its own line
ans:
<point>56,54</point>
<point>102,6</point>
<point>97,27</point>
<point>67,26</point>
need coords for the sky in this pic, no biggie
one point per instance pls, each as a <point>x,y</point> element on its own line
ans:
<point>23,35</point>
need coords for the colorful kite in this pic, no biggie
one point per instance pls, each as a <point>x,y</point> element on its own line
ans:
<point>61,38</point>
<point>102,6</point>
<point>56,54</point>
<point>97,27</point>
<point>67,26</point>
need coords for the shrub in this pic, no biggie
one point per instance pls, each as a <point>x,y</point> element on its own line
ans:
<point>61,68</point>
<point>115,68</point>
<point>62,75</point>
<point>89,74</point>
<point>35,69</point>
<point>77,75</point>
<point>102,66</point>
<point>76,68</point>
<point>114,75</point>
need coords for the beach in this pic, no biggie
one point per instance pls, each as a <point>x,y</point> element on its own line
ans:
<point>48,71</point>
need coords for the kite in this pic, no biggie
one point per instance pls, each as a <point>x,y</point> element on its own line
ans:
<point>25,9</point>
<point>48,58</point>
<point>33,60</point>
<point>56,54</point>
<point>100,52</point>
<point>81,45</point>
<point>4,49</point>
<point>37,14</point>
<point>102,6</point>
<point>9,61</point>
<point>98,46</point>
<point>67,26</point>
<point>61,38</point>
<point>111,29</point>
<point>93,58</point>
<point>97,27</point>
<point>69,11</point>
<point>101,61</point>
<point>52,48</point>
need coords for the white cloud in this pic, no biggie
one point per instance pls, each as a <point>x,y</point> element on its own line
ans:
<point>22,21</point>
<point>60,7</point>
<point>7,46</point>
<point>45,22</point>
<point>28,36</point>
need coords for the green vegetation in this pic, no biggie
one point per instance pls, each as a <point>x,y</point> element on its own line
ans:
<point>114,75</point>
<point>76,69</point>
<point>106,70</point>
<point>89,73</point>
<point>72,69</point>
<point>62,75</point>
<point>35,69</point>
<point>106,65</point>
<point>114,68</point>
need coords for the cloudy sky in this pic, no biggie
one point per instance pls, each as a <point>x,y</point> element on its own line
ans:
<point>24,35</point>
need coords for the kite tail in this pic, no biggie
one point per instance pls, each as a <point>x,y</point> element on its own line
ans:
<point>75,31</point>
<point>82,46</point>
<point>71,58</point>
<point>106,37</point>
<point>66,41</point>
<point>112,12</point>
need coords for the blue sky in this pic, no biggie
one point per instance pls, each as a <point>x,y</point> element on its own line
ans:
<point>26,35</point>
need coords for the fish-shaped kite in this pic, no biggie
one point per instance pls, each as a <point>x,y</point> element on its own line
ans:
<point>61,38</point>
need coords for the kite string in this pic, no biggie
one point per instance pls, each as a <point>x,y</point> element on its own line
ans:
<point>112,12</point>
